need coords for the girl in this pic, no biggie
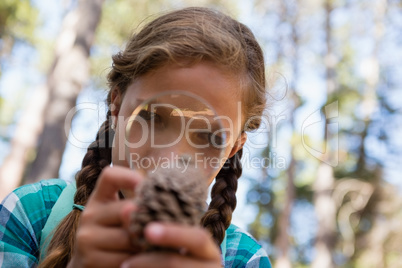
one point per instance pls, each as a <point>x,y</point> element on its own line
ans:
<point>197,50</point>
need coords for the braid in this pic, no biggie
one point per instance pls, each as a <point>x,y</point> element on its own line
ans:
<point>98,156</point>
<point>219,215</point>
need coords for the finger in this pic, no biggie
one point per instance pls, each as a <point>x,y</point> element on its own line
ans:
<point>108,239</point>
<point>195,240</point>
<point>126,214</point>
<point>111,180</point>
<point>169,260</point>
<point>109,214</point>
<point>102,259</point>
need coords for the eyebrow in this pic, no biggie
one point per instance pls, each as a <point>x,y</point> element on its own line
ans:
<point>214,125</point>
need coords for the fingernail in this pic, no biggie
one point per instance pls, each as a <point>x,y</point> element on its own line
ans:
<point>155,230</point>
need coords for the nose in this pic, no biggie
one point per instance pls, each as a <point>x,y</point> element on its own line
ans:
<point>177,148</point>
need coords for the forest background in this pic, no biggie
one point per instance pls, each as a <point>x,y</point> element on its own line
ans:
<point>321,185</point>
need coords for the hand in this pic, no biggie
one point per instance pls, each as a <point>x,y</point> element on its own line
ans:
<point>101,240</point>
<point>195,244</point>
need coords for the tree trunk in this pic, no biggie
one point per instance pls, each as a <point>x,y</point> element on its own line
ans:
<point>282,241</point>
<point>326,216</point>
<point>375,254</point>
<point>23,143</point>
<point>69,73</point>
<point>324,204</point>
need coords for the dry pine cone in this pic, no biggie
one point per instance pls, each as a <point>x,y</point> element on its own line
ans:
<point>168,195</point>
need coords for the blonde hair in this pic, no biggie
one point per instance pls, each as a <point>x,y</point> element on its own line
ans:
<point>185,36</point>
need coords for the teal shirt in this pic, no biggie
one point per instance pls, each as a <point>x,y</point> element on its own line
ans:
<point>25,212</point>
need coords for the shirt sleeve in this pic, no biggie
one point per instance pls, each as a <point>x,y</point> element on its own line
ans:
<point>243,251</point>
<point>259,260</point>
<point>23,213</point>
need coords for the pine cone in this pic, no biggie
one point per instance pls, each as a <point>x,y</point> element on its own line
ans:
<point>168,195</point>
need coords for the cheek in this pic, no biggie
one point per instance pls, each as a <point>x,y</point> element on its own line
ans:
<point>213,176</point>
<point>119,157</point>
<point>224,157</point>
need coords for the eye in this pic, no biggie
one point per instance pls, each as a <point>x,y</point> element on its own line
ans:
<point>215,140</point>
<point>148,116</point>
<point>209,138</point>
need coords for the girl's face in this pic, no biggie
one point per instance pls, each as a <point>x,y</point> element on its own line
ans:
<point>218,87</point>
